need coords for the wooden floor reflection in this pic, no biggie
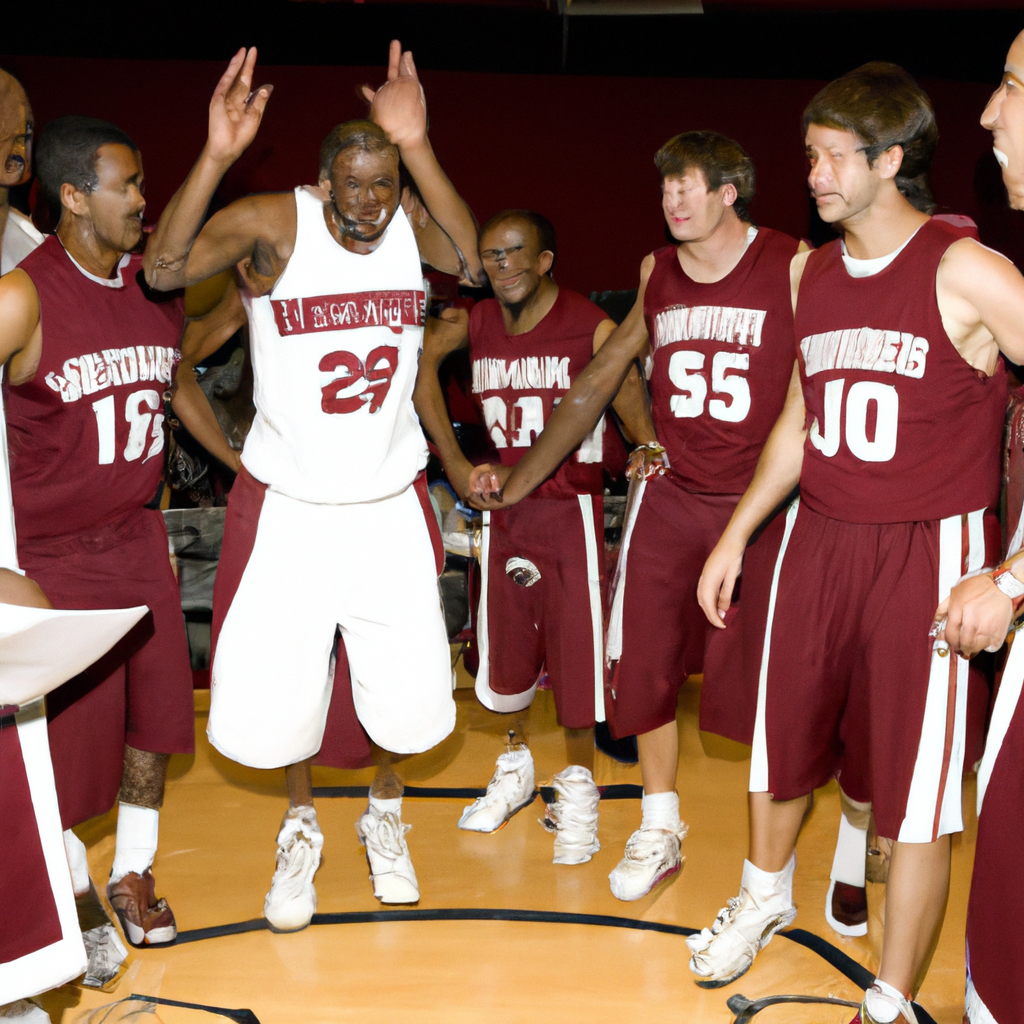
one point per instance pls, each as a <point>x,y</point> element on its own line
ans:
<point>217,856</point>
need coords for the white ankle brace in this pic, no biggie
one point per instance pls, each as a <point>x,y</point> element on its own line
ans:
<point>137,831</point>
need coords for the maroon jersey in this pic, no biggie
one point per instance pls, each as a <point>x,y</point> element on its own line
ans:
<point>518,379</point>
<point>902,429</point>
<point>723,356</point>
<point>86,433</point>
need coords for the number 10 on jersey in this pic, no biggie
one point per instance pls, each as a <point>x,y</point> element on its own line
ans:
<point>144,424</point>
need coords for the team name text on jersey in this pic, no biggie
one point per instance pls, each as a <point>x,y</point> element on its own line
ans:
<point>731,324</point>
<point>95,371</point>
<point>391,309</point>
<point>865,348</point>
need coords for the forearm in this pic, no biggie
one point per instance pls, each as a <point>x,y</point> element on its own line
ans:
<point>193,408</point>
<point>633,409</point>
<point>429,403</point>
<point>447,208</point>
<point>168,249</point>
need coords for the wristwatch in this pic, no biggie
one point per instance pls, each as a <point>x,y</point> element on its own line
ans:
<point>1012,587</point>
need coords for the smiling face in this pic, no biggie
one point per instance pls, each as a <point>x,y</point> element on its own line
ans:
<point>115,206</point>
<point>515,266</point>
<point>1004,118</point>
<point>841,181</point>
<point>693,212</point>
<point>365,194</point>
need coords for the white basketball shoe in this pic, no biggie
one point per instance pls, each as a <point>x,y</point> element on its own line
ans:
<point>510,790</point>
<point>573,816</point>
<point>291,902</point>
<point>387,853</point>
<point>652,855</point>
<point>744,926</point>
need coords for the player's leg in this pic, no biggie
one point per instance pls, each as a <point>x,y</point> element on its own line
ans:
<point>274,636</point>
<point>511,656</point>
<point>160,721</point>
<point>846,908</point>
<point>663,629</point>
<point>570,623</point>
<point>918,723</point>
<point>796,745</point>
<point>393,626</point>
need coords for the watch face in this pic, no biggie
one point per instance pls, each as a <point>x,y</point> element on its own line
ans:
<point>1009,584</point>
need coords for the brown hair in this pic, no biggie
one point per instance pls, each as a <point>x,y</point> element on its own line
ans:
<point>544,228</point>
<point>720,160</point>
<point>363,134</point>
<point>884,107</point>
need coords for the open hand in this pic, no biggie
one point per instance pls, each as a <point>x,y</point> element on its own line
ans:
<point>236,109</point>
<point>399,106</point>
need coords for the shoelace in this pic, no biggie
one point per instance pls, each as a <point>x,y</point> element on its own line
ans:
<point>389,834</point>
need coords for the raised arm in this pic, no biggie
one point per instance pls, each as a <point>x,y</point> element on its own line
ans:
<point>440,339</point>
<point>201,339</point>
<point>581,408</point>
<point>236,109</point>
<point>400,108</point>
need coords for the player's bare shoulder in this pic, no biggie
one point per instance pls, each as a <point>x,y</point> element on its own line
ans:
<point>20,326</point>
<point>796,270</point>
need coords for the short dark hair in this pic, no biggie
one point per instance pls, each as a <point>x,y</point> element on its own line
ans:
<point>544,228</point>
<point>720,160</point>
<point>65,153</point>
<point>364,135</point>
<point>884,107</point>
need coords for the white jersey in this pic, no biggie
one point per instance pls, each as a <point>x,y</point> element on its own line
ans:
<point>335,348</point>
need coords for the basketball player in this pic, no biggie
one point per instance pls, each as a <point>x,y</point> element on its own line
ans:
<point>900,325</point>
<point>330,461</point>
<point>712,315</point>
<point>977,617</point>
<point>542,562</point>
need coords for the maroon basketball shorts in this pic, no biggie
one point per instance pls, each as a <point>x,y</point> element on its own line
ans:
<point>995,938</point>
<point>658,634</point>
<point>849,679</point>
<point>40,942</point>
<point>556,621</point>
<point>140,693</point>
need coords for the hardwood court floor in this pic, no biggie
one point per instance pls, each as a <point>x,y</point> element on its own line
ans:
<point>217,856</point>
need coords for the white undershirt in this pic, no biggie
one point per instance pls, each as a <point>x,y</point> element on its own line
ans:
<point>867,268</point>
<point>107,282</point>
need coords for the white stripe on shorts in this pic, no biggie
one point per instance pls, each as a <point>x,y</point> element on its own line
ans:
<point>934,804</point>
<point>64,959</point>
<point>613,642</point>
<point>594,587</point>
<point>759,751</point>
<point>504,703</point>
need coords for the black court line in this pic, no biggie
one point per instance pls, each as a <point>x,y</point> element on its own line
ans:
<point>621,791</point>
<point>845,965</point>
<point>242,1016</point>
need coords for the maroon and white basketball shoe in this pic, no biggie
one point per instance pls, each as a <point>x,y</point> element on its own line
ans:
<point>846,908</point>
<point>145,920</point>
<point>652,855</point>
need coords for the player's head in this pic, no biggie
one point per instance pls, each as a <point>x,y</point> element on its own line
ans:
<point>15,132</point>
<point>1004,118</point>
<point>359,174</point>
<point>91,172</point>
<point>866,130</point>
<point>705,179</point>
<point>517,249</point>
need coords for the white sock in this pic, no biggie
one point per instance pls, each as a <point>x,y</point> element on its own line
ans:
<point>381,807</point>
<point>307,812</point>
<point>764,885</point>
<point>660,810</point>
<point>137,829</point>
<point>883,1001</point>
<point>78,862</point>
<point>851,849</point>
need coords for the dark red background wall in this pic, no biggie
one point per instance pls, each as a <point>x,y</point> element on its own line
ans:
<point>576,148</point>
